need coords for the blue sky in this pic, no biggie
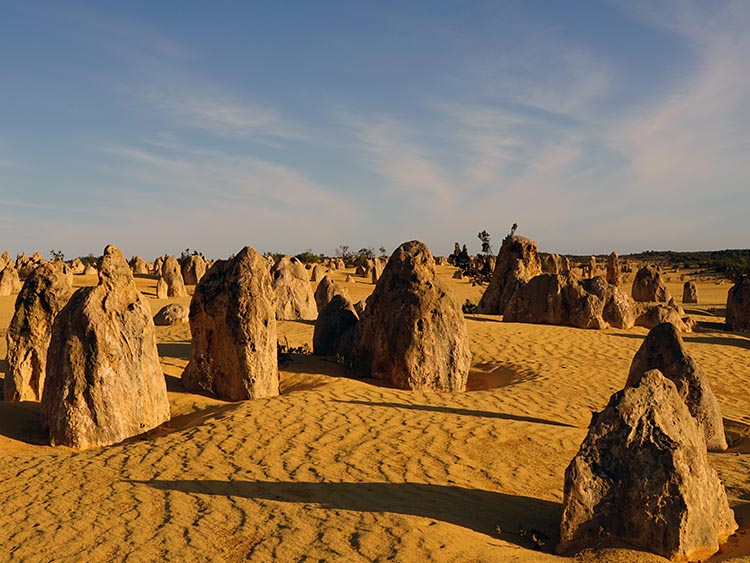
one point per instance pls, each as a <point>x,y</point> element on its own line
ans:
<point>160,126</point>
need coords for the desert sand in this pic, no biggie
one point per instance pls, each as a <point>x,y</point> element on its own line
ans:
<point>342,469</point>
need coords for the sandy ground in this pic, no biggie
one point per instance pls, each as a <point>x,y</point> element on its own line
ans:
<point>338,469</point>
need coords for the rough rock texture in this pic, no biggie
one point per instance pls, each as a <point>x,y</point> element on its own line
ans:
<point>413,333</point>
<point>91,271</point>
<point>458,275</point>
<point>158,265</point>
<point>294,295</point>
<point>4,260</point>
<point>591,267</point>
<point>172,314</point>
<point>738,305</point>
<point>334,327</point>
<point>663,349</point>
<point>170,272</point>
<point>649,287</point>
<point>563,299</point>
<point>614,271</point>
<point>377,270</point>
<point>340,264</point>
<point>233,326</point>
<point>689,292</point>
<point>43,295</point>
<point>349,279</point>
<point>162,290</point>
<point>325,291</point>
<point>104,381</point>
<point>193,268</point>
<point>317,273</point>
<point>138,265</point>
<point>77,266</point>
<point>441,261</point>
<point>10,283</point>
<point>649,316</point>
<point>642,477</point>
<point>517,262</point>
<point>65,270</point>
<point>552,264</point>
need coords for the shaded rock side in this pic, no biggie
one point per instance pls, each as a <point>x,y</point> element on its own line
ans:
<point>139,266</point>
<point>663,349</point>
<point>193,268</point>
<point>294,295</point>
<point>614,270</point>
<point>652,315</point>
<point>689,292</point>
<point>334,327</point>
<point>642,477</point>
<point>43,295</point>
<point>233,327</point>
<point>649,286</point>
<point>738,305</point>
<point>517,262</point>
<point>104,381</point>
<point>325,291</point>
<point>10,282</point>
<point>413,333</point>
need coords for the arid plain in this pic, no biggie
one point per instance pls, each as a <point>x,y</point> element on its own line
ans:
<point>345,469</point>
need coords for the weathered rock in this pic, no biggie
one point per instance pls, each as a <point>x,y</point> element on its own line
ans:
<point>294,294</point>
<point>233,326</point>
<point>172,314</point>
<point>162,289</point>
<point>591,267</point>
<point>340,264</point>
<point>170,272</point>
<point>619,311</point>
<point>377,270</point>
<point>139,266</point>
<point>325,291</point>
<point>317,273</point>
<point>614,271</point>
<point>193,268</point>
<point>349,279</point>
<point>90,271</point>
<point>517,263</point>
<point>663,349</point>
<point>650,316</point>
<point>458,275</point>
<point>649,286</point>
<point>10,283</point>
<point>552,264</point>
<point>334,327</point>
<point>5,260</point>
<point>64,269</point>
<point>738,305</point>
<point>689,292</point>
<point>158,265</point>
<point>77,266</point>
<point>413,333</point>
<point>361,270</point>
<point>441,261</point>
<point>43,295</point>
<point>360,307</point>
<point>642,477</point>
<point>104,381</point>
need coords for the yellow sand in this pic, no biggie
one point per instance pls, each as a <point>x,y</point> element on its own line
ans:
<point>338,469</point>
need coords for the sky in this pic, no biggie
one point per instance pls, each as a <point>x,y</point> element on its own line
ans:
<point>287,126</point>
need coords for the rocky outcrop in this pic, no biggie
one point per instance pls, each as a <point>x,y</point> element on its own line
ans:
<point>90,271</point>
<point>10,282</point>
<point>642,477</point>
<point>413,332</point>
<point>517,262</point>
<point>172,314</point>
<point>43,295</point>
<point>663,349</point>
<point>294,294</point>
<point>162,290</point>
<point>738,305</point>
<point>651,315</point>
<point>649,287</point>
<point>334,327</point>
<point>325,291</point>
<point>193,268</point>
<point>689,292</point>
<point>104,381</point>
<point>233,327</point>
<point>139,266</point>
<point>77,266</point>
<point>172,275</point>
<point>563,299</point>
<point>317,273</point>
<point>614,271</point>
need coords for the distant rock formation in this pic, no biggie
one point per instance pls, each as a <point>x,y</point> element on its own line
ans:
<point>614,271</point>
<point>104,381</point>
<point>10,282</point>
<point>334,327</point>
<point>642,477</point>
<point>193,268</point>
<point>738,305</point>
<point>663,349</point>
<point>139,266</point>
<point>412,333</point>
<point>689,292</point>
<point>294,295</point>
<point>517,262</point>
<point>172,275</point>
<point>325,291</point>
<point>649,286</point>
<point>233,326</point>
<point>43,295</point>
<point>172,314</point>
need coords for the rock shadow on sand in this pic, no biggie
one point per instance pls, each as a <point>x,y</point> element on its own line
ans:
<point>491,513</point>
<point>23,422</point>
<point>461,412</point>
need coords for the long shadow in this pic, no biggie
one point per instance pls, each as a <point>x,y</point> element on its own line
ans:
<point>22,421</point>
<point>174,350</point>
<point>721,340</point>
<point>3,366</point>
<point>486,512</point>
<point>473,317</point>
<point>461,412</point>
<point>709,325</point>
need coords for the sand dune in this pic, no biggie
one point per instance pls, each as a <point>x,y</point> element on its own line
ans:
<point>339,469</point>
